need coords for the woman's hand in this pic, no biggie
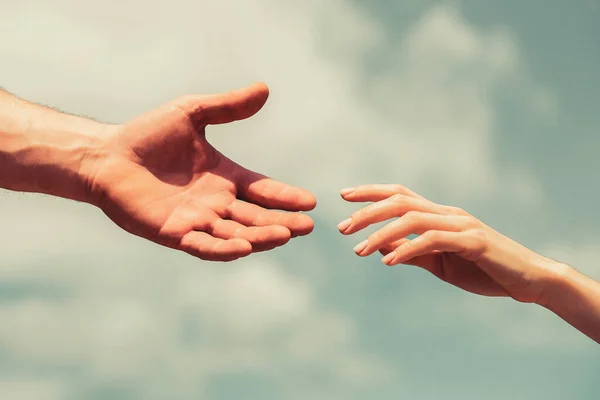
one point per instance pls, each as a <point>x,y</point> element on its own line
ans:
<point>452,244</point>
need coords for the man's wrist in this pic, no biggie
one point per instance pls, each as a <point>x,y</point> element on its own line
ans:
<point>21,115</point>
<point>44,151</point>
<point>52,163</point>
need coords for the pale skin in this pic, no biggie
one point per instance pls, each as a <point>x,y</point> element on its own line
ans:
<point>156,176</point>
<point>463,251</point>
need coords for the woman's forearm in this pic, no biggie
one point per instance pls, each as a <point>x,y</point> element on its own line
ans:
<point>576,298</point>
<point>42,150</point>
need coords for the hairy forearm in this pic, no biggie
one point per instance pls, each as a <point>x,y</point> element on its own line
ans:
<point>43,150</point>
<point>576,298</point>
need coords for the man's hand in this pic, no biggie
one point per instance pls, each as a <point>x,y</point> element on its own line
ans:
<point>158,177</point>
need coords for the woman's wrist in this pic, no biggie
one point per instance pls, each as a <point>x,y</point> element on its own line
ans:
<point>559,280</point>
<point>575,298</point>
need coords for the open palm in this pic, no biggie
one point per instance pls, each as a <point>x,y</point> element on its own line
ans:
<point>160,179</point>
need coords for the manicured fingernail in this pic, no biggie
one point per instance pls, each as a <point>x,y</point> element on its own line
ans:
<point>387,260</point>
<point>346,191</point>
<point>342,226</point>
<point>361,246</point>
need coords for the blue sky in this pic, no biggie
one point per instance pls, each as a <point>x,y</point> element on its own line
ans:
<point>491,106</point>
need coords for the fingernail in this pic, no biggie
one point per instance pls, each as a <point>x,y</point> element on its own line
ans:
<point>361,246</point>
<point>387,260</point>
<point>347,191</point>
<point>342,226</point>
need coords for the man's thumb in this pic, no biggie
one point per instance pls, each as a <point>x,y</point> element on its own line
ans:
<point>224,107</point>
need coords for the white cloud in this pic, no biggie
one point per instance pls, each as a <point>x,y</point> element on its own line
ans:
<point>253,316</point>
<point>526,326</point>
<point>20,389</point>
<point>249,301</point>
<point>545,103</point>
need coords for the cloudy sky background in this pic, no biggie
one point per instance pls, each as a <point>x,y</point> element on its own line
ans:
<point>490,106</point>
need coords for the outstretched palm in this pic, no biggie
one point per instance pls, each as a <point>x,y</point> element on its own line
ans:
<point>163,181</point>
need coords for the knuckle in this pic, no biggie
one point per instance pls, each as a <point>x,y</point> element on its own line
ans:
<point>413,217</point>
<point>181,108</point>
<point>365,210</point>
<point>472,222</point>
<point>457,211</point>
<point>259,219</point>
<point>183,103</point>
<point>398,188</point>
<point>360,214</point>
<point>228,197</point>
<point>480,237</point>
<point>408,245</point>
<point>182,100</point>
<point>432,236</point>
<point>397,197</point>
<point>375,238</point>
<point>400,201</point>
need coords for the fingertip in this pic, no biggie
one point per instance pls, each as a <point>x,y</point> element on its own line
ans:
<point>261,87</point>
<point>270,193</point>
<point>258,93</point>
<point>347,191</point>
<point>206,247</point>
<point>344,225</point>
<point>389,258</point>
<point>306,201</point>
<point>302,225</point>
<point>310,227</point>
<point>281,234</point>
<point>221,108</point>
<point>271,236</point>
<point>360,248</point>
<point>237,246</point>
